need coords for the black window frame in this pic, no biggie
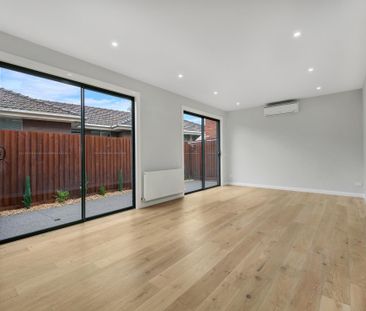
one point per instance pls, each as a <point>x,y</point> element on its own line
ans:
<point>82,87</point>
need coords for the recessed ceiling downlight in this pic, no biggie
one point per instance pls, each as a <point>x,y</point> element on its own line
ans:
<point>180,76</point>
<point>215,92</point>
<point>114,44</point>
<point>297,34</point>
<point>310,69</point>
<point>237,103</point>
<point>318,88</point>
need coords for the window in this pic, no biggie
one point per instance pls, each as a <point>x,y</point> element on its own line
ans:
<point>10,124</point>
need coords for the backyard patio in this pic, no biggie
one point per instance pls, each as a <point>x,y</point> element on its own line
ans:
<point>194,185</point>
<point>35,220</point>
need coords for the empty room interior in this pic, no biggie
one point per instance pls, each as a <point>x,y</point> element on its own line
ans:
<point>183,155</point>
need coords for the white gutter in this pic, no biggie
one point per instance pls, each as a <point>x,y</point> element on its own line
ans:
<point>90,126</point>
<point>192,133</point>
<point>37,115</point>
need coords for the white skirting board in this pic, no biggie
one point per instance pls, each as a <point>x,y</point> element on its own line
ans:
<point>164,183</point>
<point>299,189</point>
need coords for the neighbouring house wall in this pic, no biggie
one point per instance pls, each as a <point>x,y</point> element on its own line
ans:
<point>319,148</point>
<point>160,110</point>
<point>121,133</point>
<point>10,123</point>
<point>46,126</point>
<point>210,129</point>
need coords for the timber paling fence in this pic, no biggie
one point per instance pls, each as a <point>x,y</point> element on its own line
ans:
<point>53,162</point>
<point>193,160</point>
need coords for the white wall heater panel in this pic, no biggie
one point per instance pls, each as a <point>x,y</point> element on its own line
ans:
<point>161,184</point>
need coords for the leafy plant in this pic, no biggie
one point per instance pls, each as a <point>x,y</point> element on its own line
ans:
<point>102,190</point>
<point>27,196</point>
<point>62,196</point>
<point>120,181</point>
<point>86,185</point>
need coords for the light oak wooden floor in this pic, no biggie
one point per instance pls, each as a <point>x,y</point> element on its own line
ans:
<point>228,248</point>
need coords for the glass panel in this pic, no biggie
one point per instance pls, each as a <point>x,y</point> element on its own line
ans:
<point>40,165</point>
<point>108,150</point>
<point>192,153</point>
<point>211,153</point>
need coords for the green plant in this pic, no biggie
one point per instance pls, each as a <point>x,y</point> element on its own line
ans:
<point>86,185</point>
<point>27,196</point>
<point>102,190</point>
<point>62,196</point>
<point>120,181</point>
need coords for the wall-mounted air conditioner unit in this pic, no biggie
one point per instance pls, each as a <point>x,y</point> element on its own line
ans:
<point>288,106</point>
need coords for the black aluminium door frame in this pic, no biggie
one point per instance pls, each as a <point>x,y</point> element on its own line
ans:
<point>218,151</point>
<point>82,87</point>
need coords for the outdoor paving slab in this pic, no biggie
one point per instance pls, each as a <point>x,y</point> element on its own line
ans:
<point>193,185</point>
<point>28,222</point>
<point>23,223</point>
<point>115,202</point>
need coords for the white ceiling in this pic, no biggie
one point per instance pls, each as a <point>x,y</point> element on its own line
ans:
<point>242,49</point>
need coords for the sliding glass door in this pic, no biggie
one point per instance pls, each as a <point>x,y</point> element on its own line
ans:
<point>66,152</point>
<point>108,150</point>
<point>193,161</point>
<point>201,152</point>
<point>40,164</point>
<point>212,153</point>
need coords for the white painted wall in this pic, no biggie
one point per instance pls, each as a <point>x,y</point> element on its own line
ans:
<point>319,148</point>
<point>160,110</point>
<point>364,137</point>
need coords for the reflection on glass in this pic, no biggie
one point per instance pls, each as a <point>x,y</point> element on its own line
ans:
<point>192,153</point>
<point>39,153</point>
<point>108,150</point>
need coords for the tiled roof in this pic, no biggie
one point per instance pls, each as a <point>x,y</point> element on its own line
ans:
<point>192,127</point>
<point>98,116</point>
<point>93,115</point>
<point>16,101</point>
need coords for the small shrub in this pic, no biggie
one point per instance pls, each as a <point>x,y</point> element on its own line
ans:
<point>86,184</point>
<point>120,181</point>
<point>27,196</point>
<point>102,190</point>
<point>62,196</point>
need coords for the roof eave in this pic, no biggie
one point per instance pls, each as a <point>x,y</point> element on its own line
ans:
<point>36,115</point>
<point>113,128</point>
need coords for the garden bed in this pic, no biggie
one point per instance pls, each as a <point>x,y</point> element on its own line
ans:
<point>57,204</point>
